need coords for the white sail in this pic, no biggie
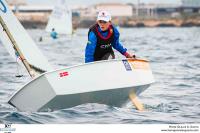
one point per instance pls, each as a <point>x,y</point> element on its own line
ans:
<point>12,30</point>
<point>60,19</point>
<point>7,44</point>
<point>9,47</point>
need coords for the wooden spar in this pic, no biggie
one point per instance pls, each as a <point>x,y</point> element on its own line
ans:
<point>24,61</point>
<point>139,106</point>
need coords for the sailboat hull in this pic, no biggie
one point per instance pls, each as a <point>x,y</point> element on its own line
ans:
<point>112,97</point>
<point>105,82</point>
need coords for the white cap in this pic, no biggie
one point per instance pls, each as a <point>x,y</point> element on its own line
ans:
<point>104,15</point>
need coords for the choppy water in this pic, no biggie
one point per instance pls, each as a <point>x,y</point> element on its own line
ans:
<point>174,98</point>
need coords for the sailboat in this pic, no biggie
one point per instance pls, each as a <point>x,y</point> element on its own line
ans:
<point>110,82</point>
<point>60,19</point>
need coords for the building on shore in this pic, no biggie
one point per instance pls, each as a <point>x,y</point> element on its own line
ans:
<point>190,3</point>
<point>122,14</point>
<point>190,6</point>
<point>32,15</point>
<point>16,2</point>
<point>119,12</point>
<point>116,10</point>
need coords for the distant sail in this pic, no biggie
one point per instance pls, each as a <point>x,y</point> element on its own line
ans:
<point>60,19</point>
<point>16,34</point>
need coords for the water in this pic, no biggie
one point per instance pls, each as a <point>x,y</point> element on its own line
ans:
<point>174,98</point>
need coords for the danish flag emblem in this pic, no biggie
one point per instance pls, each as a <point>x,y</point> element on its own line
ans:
<point>63,74</point>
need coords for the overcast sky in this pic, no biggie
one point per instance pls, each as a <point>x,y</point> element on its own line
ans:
<point>87,2</point>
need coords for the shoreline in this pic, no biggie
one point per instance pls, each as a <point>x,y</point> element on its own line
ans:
<point>40,20</point>
<point>128,24</point>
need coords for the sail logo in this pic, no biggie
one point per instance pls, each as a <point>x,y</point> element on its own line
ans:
<point>127,65</point>
<point>3,7</point>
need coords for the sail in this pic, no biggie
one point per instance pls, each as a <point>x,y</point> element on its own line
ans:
<point>12,32</point>
<point>7,44</point>
<point>60,19</point>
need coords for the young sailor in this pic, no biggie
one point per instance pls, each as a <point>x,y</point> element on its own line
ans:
<point>54,34</point>
<point>102,37</point>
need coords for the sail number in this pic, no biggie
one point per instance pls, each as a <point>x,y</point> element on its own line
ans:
<point>3,7</point>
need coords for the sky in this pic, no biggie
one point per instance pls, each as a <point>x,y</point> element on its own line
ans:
<point>89,2</point>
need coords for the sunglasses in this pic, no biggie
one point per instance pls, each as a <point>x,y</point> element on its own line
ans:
<point>102,22</point>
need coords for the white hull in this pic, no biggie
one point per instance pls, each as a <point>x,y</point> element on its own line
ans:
<point>105,82</point>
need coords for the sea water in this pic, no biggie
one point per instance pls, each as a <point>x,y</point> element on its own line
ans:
<point>174,55</point>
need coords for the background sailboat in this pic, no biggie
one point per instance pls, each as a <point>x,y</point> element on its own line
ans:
<point>60,19</point>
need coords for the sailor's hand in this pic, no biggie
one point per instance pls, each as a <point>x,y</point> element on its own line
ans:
<point>128,55</point>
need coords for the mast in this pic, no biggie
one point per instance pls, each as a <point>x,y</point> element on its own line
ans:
<point>24,61</point>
